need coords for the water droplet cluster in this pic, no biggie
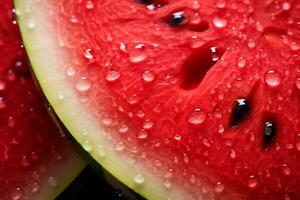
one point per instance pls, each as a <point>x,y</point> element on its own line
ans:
<point>196,86</point>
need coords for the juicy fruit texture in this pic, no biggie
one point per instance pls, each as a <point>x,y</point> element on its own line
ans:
<point>202,95</point>
<point>34,158</point>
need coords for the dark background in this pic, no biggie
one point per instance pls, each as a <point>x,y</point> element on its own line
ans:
<point>90,186</point>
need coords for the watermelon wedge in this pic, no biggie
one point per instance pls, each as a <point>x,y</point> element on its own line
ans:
<point>35,161</point>
<point>180,99</point>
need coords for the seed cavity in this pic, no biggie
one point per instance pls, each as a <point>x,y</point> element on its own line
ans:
<point>269,132</point>
<point>196,66</point>
<point>240,111</point>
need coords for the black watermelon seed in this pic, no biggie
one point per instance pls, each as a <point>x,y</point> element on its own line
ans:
<point>269,132</point>
<point>177,19</point>
<point>240,111</point>
<point>154,3</point>
<point>145,1</point>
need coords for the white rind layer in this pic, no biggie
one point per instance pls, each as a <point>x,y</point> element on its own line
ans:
<point>43,50</point>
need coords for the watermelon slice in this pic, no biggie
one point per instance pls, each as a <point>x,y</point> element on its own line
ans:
<point>180,99</point>
<point>35,161</point>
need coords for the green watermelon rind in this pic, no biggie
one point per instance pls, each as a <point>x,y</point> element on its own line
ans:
<point>42,49</point>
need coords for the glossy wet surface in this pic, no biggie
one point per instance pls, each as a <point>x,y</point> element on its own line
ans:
<point>163,77</point>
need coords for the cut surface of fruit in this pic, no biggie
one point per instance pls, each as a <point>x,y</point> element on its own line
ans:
<point>177,99</point>
<point>35,160</point>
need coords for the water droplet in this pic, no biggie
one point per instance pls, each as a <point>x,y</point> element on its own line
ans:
<point>221,96</point>
<point>177,137</point>
<point>221,129</point>
<point>31,23</point>
<point>197,117</point>
<point>2,103</point>
<point>298,83</point>
<point>151,7</point>
<point>206,142</point>
<point>11,76</point>
<point>139,179</point>
<point>123,47</point>
<point>120,146</point>
<point>133,99</point>
<point>2,85</point>
<point>11,122</point>
<point>219,22</point>
<point>89,5</point>
<point>219,187</point>
<point>221,4</point>
<point>287,197</point>
<point>87,145</point>
<point>137,54</point>
<point>130,114</point>
<point>294,46</point>
<point>88,54</point>
<point>107,120</point>
<point>259,27</point>
<point>242,62</point>
<point>289,146</point>
<point>272,78</point>
<point>73,19</point>
<point>157,108</point>
<point>123,128</point>
<point>148,124</point>
<point>112,76</point>
<point>185,158</point>
<point>52,181</point>
<point>25,161</point>
<point>35,187</point>
<point>83,84</point>
<point>215,54</point>
<point>217,114</point>
<point>232,153</point>
<point>157,163</point>
<point>286,6</point>
<point>70,71</point>
<point>16,194</point>
<point>109,37</point>
<point>251,43</point>
<point>252,181</point>
<point>193,179</point>
<point>143,134</point>
<point>267,173</point>
<point>148,76</point>
<point>286,169</point>
<point>168,184</point>
<point>101,151</point>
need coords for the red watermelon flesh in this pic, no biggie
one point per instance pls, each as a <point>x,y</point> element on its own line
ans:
<point>33,154</point>
<point>204,94</point>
